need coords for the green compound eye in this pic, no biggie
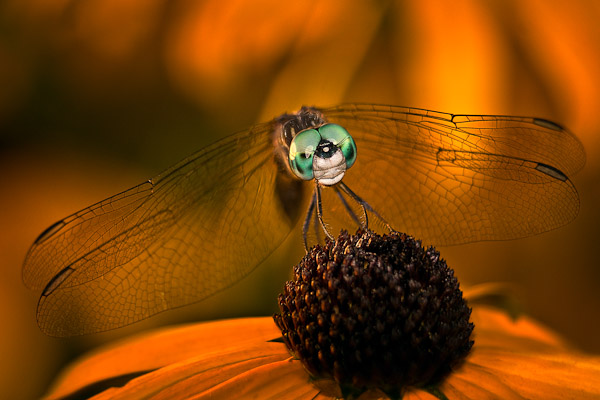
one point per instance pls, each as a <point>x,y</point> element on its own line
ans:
<point>341,139</point>
<point>302,149</point>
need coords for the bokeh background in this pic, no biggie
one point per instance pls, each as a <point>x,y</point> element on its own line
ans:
<point>99,95</point>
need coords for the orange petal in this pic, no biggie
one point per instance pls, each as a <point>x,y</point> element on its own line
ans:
<point>514,359</point>
<point>494,327</point>
<point>163,347</point>
<point>418,395</point>
<point>284,379</point>
<point>474,383</point>
<point>557,375</point>
<point>199,375</point>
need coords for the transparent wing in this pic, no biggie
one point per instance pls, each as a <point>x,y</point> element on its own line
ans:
<point>208,221</point>
<point>193,230</point>
<point>451,179</point>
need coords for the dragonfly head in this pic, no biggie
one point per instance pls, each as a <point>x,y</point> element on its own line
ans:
<point>323,154</point>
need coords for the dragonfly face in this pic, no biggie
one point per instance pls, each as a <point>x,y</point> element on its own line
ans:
<point>313,148</point>
<point>208,221</point>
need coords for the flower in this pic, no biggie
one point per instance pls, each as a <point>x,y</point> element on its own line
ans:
<point>375,312</point>
<point>238,358</point>
<point>249,358</point>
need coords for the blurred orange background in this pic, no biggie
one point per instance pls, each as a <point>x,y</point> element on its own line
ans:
<point>100,95</point>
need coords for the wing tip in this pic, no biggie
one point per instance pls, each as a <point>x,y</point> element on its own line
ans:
<point>57,280</point>
<point>49,231</point>
<point>551,171</point>
<point>544,123</point>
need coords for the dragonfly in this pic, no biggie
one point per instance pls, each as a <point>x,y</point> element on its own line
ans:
<point>208,221</point>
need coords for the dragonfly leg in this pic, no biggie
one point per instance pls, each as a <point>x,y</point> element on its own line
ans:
<point>317,227</point>
<point>309,213</point>
<point>351,212</point>
<point>320,212</point>
<point>364,204</point>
